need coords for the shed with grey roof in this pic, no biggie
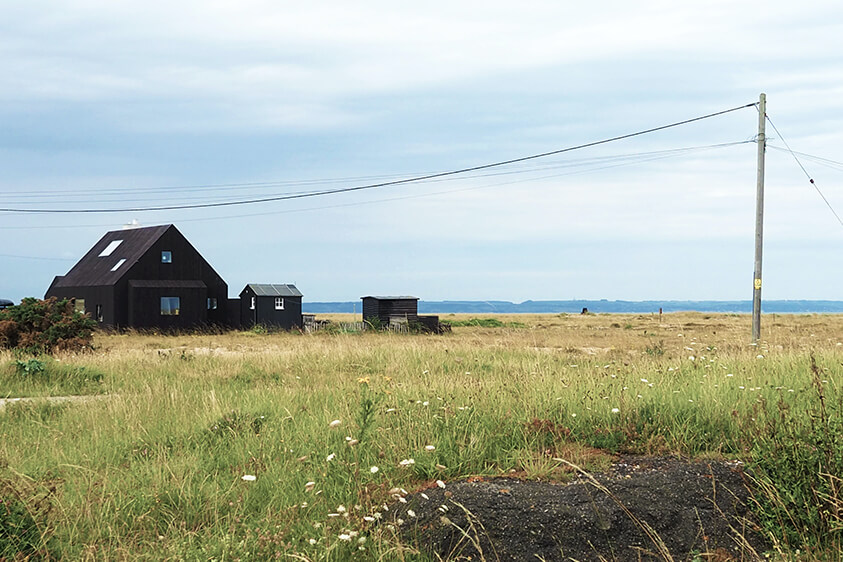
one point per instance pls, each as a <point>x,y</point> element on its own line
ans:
<point>271,305</point>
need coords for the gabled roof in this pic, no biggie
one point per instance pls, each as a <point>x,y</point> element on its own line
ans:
<point>102,264</point>
<point>392,298</point>
<point>271,290</point>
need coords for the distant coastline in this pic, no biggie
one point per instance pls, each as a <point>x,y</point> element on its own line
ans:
<point>596,306</point>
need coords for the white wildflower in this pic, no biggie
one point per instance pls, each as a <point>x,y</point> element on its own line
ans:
<point>248,477</point>
<point>407,462</point>
<point>411,513</point>
<point>344,537</point>
<point>309,486</point>
<point>440,484</point>
<point>429,448</point>
<point>330,457</point>
<point>334,423</point>
<point>374,469</point>
<point>368,518</point>
<point>312,541</point>
<point>616,410</point>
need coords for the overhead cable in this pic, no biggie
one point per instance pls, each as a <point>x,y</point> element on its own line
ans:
<point>617,161</point>
<point>380,184</point>
<point>807,175</point>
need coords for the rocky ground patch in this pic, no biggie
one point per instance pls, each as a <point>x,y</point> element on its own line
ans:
<point>642,508</point>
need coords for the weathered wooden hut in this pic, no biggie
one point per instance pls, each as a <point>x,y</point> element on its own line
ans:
<point>270,305</point>
<point>145,278</point>
<point>387,310</point>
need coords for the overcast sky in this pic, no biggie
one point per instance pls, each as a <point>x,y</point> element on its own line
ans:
<point>123,105</point>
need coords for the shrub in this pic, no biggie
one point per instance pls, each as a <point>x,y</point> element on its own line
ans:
<point>44,326</point>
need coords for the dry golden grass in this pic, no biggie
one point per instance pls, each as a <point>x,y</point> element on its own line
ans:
<point>145,462</point>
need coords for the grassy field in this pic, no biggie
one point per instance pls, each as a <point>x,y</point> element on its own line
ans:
<point>258,446</point>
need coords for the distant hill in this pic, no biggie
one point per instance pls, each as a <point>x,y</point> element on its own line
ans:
<point>598,306</point>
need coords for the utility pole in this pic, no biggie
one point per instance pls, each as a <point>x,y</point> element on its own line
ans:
<point>759,219</point>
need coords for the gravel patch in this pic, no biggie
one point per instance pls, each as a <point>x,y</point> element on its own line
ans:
<point>643,508</point>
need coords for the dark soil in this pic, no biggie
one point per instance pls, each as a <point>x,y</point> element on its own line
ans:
<point>642,508</point>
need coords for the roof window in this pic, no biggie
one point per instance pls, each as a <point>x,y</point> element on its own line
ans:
<point>110,248</point>
<point>121,262</point>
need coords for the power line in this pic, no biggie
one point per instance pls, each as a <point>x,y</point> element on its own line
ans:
<point>34,258</point>
<point>834,164</point>
<point>380,184</point>
<point>526,168</point>
<point>807,175</point>
<point>615,161</point>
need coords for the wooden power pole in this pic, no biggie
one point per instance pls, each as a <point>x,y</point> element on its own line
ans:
<point>759,219</point>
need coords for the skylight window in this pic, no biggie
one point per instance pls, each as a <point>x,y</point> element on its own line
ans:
<point>110,248</point>
<point>121,262</point>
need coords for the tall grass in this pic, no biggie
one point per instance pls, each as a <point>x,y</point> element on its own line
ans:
<point>155,470</point>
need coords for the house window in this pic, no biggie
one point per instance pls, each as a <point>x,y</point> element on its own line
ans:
<point>110,248</point>
<point>252,303</point>
<point>212,303</point>
<point>170,306</point>
<point>166,256</point>
<point>99,313</point>
<point>79,305</point>
<point>279,303</point>
<point>119,263</point>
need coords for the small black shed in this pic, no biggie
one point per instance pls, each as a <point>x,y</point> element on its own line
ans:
<point>270,305</point>
<point>5,303</point>
<point>390,309</point>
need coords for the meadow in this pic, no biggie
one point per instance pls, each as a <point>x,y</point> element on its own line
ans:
<point>252,446</point>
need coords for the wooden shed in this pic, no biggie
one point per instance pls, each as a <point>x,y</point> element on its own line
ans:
<point>145,278</point>
<point>387,310</point>
<point>270,305</point>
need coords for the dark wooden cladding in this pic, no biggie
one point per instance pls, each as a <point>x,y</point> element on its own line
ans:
<point>265,313</point>
<point>384,308</point>
<point>124,288</point>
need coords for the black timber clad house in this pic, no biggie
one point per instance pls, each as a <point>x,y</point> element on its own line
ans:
<point>270,305</point>
<point>145,278</point>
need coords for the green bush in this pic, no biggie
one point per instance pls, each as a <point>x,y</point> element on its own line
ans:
<point>30,367</point>
<point>44,326</point>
